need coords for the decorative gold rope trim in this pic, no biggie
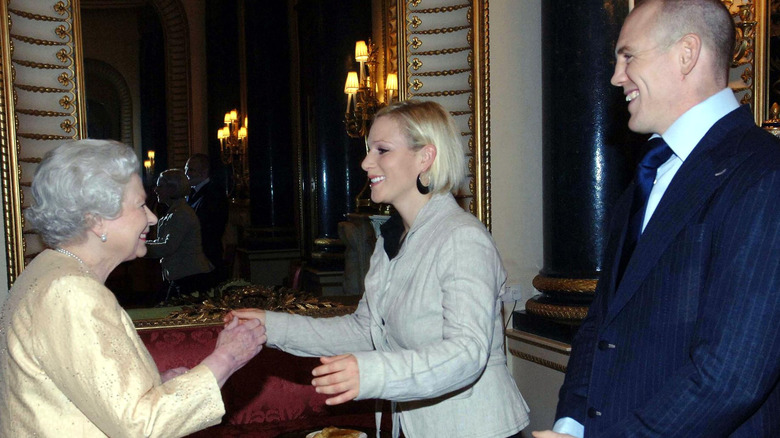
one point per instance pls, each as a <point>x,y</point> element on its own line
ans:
<point>538,360</point>
<point>579,285</point>
<point>43,137</point>
<point>37,17</point>
<point>438,31</point>
<point>443,51</point>
<point>37,41</point>
<point>574,313</point>
<point>37,89</point>
<point>442,9</point>
<point>444,72</point>
<point>40,113</point>
<point>34,64</point>
<point>443,93</point>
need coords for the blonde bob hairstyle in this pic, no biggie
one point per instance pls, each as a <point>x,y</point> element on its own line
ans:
<point>426,122</point>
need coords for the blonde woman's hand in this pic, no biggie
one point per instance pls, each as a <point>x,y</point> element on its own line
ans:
<point>337,375</point>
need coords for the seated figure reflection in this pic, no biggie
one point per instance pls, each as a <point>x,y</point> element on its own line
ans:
<point>178,244</point>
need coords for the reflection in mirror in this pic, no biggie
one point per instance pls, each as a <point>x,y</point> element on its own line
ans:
<point>253,49</point>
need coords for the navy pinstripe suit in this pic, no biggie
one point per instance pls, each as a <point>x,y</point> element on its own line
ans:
<point>688,343</point>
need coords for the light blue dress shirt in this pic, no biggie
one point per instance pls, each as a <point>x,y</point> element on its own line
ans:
<point>682,137</point>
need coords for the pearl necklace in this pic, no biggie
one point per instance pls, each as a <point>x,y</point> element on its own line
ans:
<point>70,254</point>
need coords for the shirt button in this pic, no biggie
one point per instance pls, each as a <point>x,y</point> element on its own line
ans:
<point>604,345</point>
<point>593,413</point>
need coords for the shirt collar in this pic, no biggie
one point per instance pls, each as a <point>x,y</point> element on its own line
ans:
<point>686,132</point>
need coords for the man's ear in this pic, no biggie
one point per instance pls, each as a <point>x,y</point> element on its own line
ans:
<point>689,47</point>
<point>427,156</point>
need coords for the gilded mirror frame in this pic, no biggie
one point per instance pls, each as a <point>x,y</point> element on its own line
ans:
<point>42,99</point>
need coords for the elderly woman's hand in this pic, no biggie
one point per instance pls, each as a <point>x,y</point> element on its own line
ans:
<point>337,375</point>
<point>245,314</point>
<point>236,345</point>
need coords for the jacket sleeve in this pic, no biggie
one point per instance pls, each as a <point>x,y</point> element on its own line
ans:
<point>88,347</point>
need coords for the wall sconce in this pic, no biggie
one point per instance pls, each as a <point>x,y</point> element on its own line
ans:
<point>149,166</point>
<point>233,152</point>
<point>362,90</point>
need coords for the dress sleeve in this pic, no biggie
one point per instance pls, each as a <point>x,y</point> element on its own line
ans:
<point>87,345</point>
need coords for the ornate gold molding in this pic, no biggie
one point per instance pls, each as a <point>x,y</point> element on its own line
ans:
<point>30,66</point>
<point>438,67</point>
<point>538,360</point>
<point>749,69</point>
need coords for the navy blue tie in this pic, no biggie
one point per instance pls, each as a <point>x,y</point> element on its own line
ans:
<point>658,153</point>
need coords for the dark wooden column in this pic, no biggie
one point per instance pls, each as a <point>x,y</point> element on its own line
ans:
<point>588,151</point>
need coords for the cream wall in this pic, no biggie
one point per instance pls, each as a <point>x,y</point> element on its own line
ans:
<point>516,157</point>
<point>516,136</point>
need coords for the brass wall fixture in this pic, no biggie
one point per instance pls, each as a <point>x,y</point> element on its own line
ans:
<point>364,96</point>
<point>233,148</point>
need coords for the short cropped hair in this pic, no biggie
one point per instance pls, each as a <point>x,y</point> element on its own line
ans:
<point>426,122</point>
<point>177,180</point>
<point>76,184</point>
<point>200,162</point>
<point>709,19</point>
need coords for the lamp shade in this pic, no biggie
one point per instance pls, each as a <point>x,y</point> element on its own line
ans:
<point>353,84</point>
<point>227,118</point>
<point>392,82</point>
<point>233,115</point>
<point>242,133</point>
<point>361,51</point>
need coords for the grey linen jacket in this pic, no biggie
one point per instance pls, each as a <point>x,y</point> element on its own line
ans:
<point>427,333</point>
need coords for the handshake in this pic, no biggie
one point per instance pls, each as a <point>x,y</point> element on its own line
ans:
<point>241,340</point>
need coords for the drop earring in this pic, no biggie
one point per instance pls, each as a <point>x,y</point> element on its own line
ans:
<point>423,189</point>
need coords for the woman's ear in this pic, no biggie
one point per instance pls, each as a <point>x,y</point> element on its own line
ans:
<point>427,156</point>
<point>96,225</point>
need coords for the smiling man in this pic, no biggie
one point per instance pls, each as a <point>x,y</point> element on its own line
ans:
<point>681,338</point>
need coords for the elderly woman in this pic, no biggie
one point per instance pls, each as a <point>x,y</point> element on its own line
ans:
<point>178,243</point>
<point>428,332</point>
<point>71,363</point>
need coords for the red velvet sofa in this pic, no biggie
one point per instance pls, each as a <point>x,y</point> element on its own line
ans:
<point>270,397</point>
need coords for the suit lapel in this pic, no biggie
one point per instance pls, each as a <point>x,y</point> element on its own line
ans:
<point>194,200</point>
<point>708,166</point>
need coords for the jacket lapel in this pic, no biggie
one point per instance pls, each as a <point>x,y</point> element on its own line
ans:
<point>708,166</point>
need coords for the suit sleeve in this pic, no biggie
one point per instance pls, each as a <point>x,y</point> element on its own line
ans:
<point>734,360</point>
<point>573,394</point>
<point>88,347</point>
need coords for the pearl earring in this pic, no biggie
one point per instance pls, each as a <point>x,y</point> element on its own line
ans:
<point>103,237</point>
